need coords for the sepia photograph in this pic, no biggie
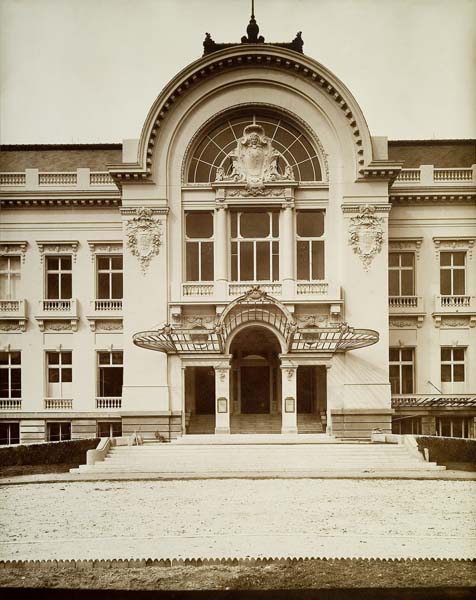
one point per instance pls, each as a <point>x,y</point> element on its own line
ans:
<point>238,298</point>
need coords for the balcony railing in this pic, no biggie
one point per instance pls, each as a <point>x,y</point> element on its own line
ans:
<point>437,400</point>
<point>455,303</point>
<point>108,402</point>
<point>107,305</point>
<point>12,308</point>
<point>10,403</point>
<point>55,306</point>
<point>58,403</point>
<point>405,304</point>
<point>197,288</point>
<point>311,288</point>
<point>237,289</point>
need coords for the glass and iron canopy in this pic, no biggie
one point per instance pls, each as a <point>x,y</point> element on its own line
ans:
<point>259,309</point>
<point>297,152</point>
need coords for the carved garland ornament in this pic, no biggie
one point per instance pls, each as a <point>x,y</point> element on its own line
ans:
<point>144,236</point>
<point>366,235</point>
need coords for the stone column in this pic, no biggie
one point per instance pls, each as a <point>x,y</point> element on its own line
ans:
<point>288,397</point>
<point>287,250</point>
<point>221,251</point>
<point>222,398</point>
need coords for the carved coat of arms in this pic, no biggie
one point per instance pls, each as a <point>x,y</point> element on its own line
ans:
<point>254,161</point>
<point>366,234</point>
<point>144,236</point>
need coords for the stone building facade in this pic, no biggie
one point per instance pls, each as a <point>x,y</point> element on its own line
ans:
<point>255,261</point>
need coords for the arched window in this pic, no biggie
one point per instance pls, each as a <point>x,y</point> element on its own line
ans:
<point>290,140</point>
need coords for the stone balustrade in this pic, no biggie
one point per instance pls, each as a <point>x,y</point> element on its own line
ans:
<point>305,288</point>
<point>58,403</point>
<point>82,178</point>
<point>109,305</point>
<point>58,306</point>
<point>12,308</point>
<point>57,179</point>
<point>10,403</point>
<point>455,303</point>
<point>14,179</point>
<point>197,288</point>
<point>108,402</point>
<point>405,304</point>
<point>428,175</point>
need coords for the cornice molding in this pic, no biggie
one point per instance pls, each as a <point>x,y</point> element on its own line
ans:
<point>422,197</point>
<point>233,58</point>
<point>49,200</point>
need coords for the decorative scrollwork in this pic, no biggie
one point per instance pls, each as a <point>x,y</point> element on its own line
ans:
<point>366,234</point>
<point>144,236</point>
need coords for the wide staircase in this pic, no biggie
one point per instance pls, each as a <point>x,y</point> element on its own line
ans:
<point>253,423</point>
<point>266,455</point>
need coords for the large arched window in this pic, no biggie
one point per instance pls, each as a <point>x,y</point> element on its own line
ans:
<point>295,145</point>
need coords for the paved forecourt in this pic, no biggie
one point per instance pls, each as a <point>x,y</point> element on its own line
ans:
<point>238,518</point>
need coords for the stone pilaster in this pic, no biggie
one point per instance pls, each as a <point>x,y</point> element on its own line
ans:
<point>289,397</point>
<point>222,398</point>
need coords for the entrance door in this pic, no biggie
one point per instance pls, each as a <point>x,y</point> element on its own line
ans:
<point>255,390</point>
<point>305,388</point>
<point>204,391</point>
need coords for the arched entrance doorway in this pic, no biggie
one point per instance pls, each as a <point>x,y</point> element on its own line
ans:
<point>255,378</point>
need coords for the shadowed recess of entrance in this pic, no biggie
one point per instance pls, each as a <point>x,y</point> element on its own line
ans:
<point>255,381</point>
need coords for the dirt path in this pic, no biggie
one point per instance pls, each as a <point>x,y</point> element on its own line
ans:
<point>237,518</point>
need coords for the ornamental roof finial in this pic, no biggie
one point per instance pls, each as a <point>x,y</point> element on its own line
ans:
<point>253,37</point>
<point>252,30</point>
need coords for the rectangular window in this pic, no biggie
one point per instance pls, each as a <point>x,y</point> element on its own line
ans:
<point>59,374</point>
<point>58,431</point>
<point>9,433</point>
<point>310,245</point>
<point>401,274</point>
<point>109,277</point>
<point>452,273</point>
<point>453,426</point>
<point>9,277</point>
<point>452,365</point>
<point>199,246</point>
<point>59,277</point>
<point>109,429</point>
<point>402,370</point>
<point>10,375</point>
<point>255,246</point>
<point>110,374</point>
<point>406,425</point>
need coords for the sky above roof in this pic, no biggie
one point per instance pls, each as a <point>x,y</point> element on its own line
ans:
<point>87,71</point>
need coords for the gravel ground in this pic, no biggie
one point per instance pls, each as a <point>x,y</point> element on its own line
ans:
<point>239,518</point>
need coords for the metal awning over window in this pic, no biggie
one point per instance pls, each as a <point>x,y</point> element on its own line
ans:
<point>255,308</point>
